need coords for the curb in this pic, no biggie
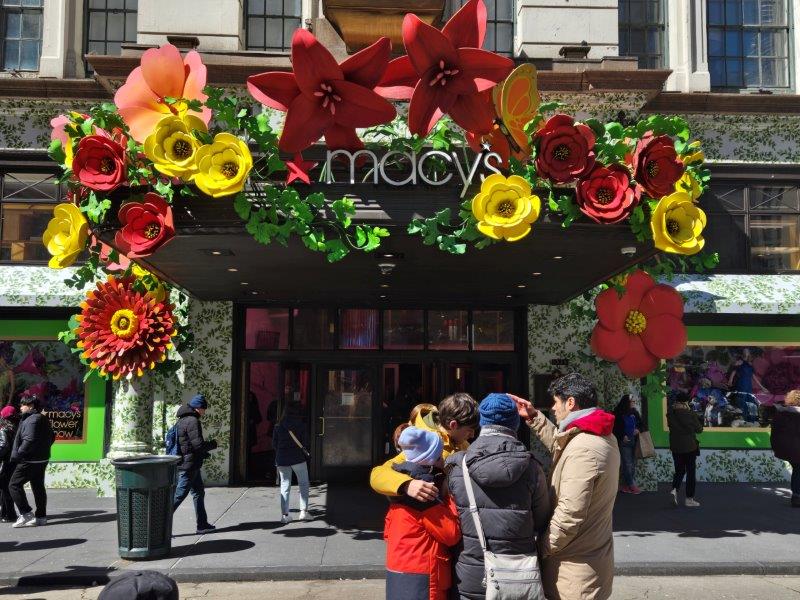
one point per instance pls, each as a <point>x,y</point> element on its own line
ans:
<point>89,577</point>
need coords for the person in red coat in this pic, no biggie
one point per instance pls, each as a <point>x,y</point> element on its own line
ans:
<point>419,534</point>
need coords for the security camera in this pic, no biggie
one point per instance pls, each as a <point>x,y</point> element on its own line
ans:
<point>386,268</point>
<point>628,251</point>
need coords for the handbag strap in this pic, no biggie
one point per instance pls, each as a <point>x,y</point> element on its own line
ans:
<point>296,441</point>
<point>473,507</point>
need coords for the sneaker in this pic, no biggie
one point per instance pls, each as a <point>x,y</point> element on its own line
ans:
<point>286,519</point>
<point>206,529</point>
<point>41,521</point>
<point>625,489</point>
<point>634,489</point>
<point>26,520</point>
<point>304,516</point>
<point>674,494</point>
<point>692,503</point>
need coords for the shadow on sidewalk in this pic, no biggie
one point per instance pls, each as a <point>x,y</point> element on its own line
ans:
<point>39,545</point>
<point>211,547</point>
<point>72,575</point>
<point>82,516</point>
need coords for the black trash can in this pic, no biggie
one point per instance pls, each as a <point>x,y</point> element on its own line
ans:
<point>145,489</point>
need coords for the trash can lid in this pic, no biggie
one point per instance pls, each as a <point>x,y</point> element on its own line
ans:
<point>154,459</point>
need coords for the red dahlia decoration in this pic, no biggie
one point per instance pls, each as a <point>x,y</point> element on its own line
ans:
<point>124,332</point>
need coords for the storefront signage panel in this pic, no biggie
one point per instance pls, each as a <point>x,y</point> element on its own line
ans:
<point>34,363</point>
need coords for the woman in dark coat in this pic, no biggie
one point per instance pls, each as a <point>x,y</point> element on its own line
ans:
<point>627,425</point>
<point>290,442</point>
<point>684,425</point>
<point>785,438</point>
<point>7,431</point>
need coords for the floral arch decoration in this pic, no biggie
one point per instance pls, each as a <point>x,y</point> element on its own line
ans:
<point>168,137</point>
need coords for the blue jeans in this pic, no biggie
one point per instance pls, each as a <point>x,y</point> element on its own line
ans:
<point>627,451</point>
<point>192,481</point>
<point>301,470</point>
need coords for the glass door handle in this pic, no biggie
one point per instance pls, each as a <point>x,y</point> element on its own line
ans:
<point>323,426</point>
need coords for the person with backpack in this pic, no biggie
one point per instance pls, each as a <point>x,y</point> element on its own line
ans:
<point>193,450</point>
<point>31,453</point>
<point>785,439</point>
<point>289,440</point>
<point>503,504</point>
<point>7,429</point>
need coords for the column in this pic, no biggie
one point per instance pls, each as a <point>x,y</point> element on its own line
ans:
<point>217,23</point>
<point>55,39</point>
<point>132,418</point>
<point>700,80</point>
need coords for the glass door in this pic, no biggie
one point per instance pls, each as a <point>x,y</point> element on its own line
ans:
<point>344,429</point>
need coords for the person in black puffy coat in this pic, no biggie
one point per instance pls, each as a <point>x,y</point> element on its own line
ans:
<point>785,438</point>
<point>510,492</point>
<point>7,428</point>
<point>193,450</point>
<point>290,441</point>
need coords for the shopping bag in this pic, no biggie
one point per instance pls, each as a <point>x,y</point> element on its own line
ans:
<point>644,445</point>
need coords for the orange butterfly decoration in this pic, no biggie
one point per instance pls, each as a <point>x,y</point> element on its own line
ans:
<point>516,101</point>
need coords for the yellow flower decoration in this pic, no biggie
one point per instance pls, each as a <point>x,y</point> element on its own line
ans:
<point>677,224</point>
<point>690,185</point>
<point>505,207</point>
<point>173,148</point>
<point>158,291</point>
<point>65,236</point>
<point>223,166</point>
<point>695,155</point>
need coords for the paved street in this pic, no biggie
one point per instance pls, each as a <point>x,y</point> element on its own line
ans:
<point>747,587</point>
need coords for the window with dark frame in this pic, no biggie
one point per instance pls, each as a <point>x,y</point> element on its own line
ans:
<point>499,24</point>
<point>109,24</point>
<point>271,23</point>
<point>748,44</point>
<point>21,22</point>
<point>642,32</point>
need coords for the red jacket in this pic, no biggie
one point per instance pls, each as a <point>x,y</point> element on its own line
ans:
<point>417,544</point>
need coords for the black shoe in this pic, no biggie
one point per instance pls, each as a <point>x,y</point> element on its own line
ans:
<point>206,529</point>
<point>795,501</point>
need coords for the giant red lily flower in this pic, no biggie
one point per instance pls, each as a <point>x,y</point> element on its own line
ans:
<point>445,72</point>
<point>639,328</point>
<point>322,97</point>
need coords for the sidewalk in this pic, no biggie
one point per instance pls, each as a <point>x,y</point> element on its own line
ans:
<point>740,529</point>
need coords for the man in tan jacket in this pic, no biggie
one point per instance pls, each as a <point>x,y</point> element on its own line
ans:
<point>577,548</point>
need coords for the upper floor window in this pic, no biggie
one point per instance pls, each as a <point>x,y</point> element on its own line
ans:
<point>748,43</point>
<point>22,34</point>
<point>26,207</point>
<point>641,32</point>
<point>271,23</point>
<point>499,24</point>
<point>109,23</point>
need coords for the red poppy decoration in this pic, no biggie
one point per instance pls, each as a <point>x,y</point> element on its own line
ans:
<point>146,226</point>
<point>445,72</point>
<point>657,167</point>
<point>639,328</point>
<point>322,97</point>
<point>99,163</point>
<point>564,150</point>
<point>605,195</point>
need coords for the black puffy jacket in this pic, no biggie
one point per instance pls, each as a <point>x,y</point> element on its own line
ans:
<point>193,448</point>
<point>33,439</point>
<point>786,433</point>
<point>512,498</point>
<point>6,440</point>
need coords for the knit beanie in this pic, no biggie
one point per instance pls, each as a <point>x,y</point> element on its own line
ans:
<point>198,401</point>
<point>7,412</point>
<point>420,446</point>
<point>140,585</point>
<point>499,409</point>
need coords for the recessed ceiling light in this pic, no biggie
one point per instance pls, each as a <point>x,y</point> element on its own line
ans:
<point>245,283</point>
<point>255,293</point>
<point>383,296</point>
<point>384,285</point>
<point>536,273</point>
<point>232,269</point>
<point>522,286</point>
<point>216,252</point>
<point>558,257</point>
<point>509,296</point>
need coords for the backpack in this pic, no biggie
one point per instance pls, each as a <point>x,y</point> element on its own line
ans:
<point>171,441</point>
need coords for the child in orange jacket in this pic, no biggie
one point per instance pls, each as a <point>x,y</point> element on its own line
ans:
<point>419,534</point>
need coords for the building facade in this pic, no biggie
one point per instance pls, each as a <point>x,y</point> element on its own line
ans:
<point>357,359</point>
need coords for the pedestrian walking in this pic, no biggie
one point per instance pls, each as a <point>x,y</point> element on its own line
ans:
<point>30,455</point>
<point>503,505</point>
<point>577,548</point>
<point>193,450</point>
<point>290,441</point>
<point>785,438</point>
<point>419,534</point>
<point>684,425</point>
<point>627,426</point>
<point>140,585</point>
<point>7,429</point>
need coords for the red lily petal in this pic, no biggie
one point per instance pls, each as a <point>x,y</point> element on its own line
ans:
<point>467,28</point>
<point>163,70</point>
<point>360,106</point>
<point>276,89</point>
<point>338,137</point>
<point>662,300</point>
<point>298,169</point>
<point>427,106</point>
<point>485,69</point>
<point>366,67</point>
<point>612,309</point>
<point>638,284</point>
<point>426,45</point>
<point>399,79</point>
<point>609,344</point>
<point>472,114</point>
<point>305,123</point>
<point>313,63</point>
<point>665,336</point>
<point>638,362</point>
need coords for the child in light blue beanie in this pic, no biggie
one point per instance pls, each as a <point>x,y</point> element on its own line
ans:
<point>420,446</point>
